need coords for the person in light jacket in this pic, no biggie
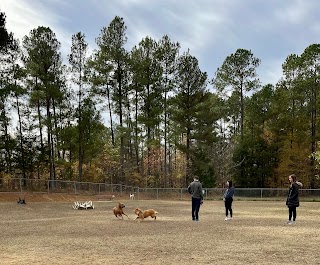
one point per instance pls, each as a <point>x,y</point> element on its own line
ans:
<point>228,199</point>
<point>195,189</point>
<point>293,198</point>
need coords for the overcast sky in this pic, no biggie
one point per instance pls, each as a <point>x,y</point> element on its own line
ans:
<point>211,29</point>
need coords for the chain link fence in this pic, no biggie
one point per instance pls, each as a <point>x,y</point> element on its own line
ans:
<point>17,185</point>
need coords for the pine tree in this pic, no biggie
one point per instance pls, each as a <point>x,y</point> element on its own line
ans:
<point>190,93</point>
<point>77,60</point>
<point>43,62</point>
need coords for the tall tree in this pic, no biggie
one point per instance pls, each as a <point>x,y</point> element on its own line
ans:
<point>236,76</point>
<point>136,90</point>
<point>7,143</point>
<point>43,60</point>
<point>311,75</point>
<point>299,126</point>
<point>77,60</point>
<point>168,53</point>
<point>190,93</point>
<point>99,70</point>
<point>258,144</point>
<point>205,136</point>
<point>149,75</point>
<point>15,75</point>
<point>111,43</point>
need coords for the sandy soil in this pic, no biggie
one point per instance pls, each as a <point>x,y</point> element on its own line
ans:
<point>51,232</point>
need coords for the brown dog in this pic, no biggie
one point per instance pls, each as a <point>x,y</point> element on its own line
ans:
<point>144,214</point>
<point>118,210</point>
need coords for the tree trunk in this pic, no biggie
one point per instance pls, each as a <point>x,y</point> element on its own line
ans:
<point>21,141</point>
<point>50,146</point>
<point>165,140</point>
<point>110,117</point>
<point>313,133</point>
<point>121,126</point>
<point>56,128</point>
<point>148,131</point>
<point>136,144</point>
<point>80,165</point>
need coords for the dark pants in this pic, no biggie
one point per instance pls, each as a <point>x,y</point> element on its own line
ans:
<point>292,212</point>
<point>228,205</point>
<point>195,208</point>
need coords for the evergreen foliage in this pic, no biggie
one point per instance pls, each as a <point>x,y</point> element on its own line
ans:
<point>163,122</point>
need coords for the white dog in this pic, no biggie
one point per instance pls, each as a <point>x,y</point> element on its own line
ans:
<point>131,196</point>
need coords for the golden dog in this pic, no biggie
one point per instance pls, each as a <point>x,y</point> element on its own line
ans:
<point>118,210</point>
<point>144,214</point>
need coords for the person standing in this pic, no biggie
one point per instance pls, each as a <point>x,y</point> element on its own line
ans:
<point>228,199</point>
<point>195,189</point>
<point>293,198</point>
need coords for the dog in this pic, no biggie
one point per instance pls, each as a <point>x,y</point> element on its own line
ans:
<point>118,211</point>
<point>144,214</point>
<point>131,196</point>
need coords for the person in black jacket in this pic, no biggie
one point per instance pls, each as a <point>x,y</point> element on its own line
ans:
<point>293,198</point>
<point>195,189</point>
<point>228,199</point>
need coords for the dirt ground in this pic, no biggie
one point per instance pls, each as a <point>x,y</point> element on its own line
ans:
<point>52,232</point>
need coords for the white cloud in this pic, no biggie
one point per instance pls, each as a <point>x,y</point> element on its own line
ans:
<point>22,16</point>
<point>270,71</point>
<point>296,12</point>
<point>212,29</point>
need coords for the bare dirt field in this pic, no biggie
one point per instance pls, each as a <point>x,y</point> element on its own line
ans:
<point>51,232</point>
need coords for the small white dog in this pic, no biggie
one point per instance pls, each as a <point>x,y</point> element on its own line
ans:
<point>131,196</point>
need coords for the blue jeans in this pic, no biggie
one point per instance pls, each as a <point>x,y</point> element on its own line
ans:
<point>195,208</point>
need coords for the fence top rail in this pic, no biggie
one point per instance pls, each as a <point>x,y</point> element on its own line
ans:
<point>148,188</point>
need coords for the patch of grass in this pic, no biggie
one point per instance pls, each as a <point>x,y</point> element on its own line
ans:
<point>54,233</point>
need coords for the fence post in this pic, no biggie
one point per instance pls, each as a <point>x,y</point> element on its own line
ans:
<point>138,193</point>
<point>48,185</point>
<point>75,187</point>
<point>157,193</point>
<point>261,193</point>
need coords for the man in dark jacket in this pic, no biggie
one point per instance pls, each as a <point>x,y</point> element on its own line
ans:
<point>195,189</point>
<point>293,198</point>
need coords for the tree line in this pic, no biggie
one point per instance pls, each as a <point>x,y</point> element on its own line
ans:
<point>164,121</point>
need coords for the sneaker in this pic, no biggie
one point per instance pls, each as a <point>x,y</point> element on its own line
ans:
<point>293,223</point>
<point>197,220</point>
<point>226,219</point>
<point>289,222</point>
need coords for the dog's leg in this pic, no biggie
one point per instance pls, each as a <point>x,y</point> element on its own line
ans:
<point>115,214</point>
<point>125,215</point>
<point>141,217</point>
